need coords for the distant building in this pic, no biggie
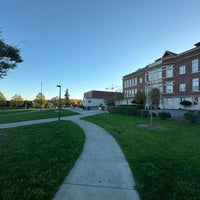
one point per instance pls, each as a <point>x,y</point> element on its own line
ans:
<point>94,99</point>
<point>177,76</point>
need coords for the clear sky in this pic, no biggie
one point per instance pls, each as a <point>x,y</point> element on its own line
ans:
<point>88,45</point>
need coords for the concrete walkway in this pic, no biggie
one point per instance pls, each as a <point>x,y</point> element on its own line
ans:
<point>101,172</point>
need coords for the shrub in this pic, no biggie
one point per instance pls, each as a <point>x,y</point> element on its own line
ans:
<point>186,103</point>
<point>125,110</point>
<point>164,115</point>
<point>132,111</point>
<point>192,116</point>
<point>110,109</point>
<point>154,114</point>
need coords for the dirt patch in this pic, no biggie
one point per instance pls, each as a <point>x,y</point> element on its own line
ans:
<point>153,127</point>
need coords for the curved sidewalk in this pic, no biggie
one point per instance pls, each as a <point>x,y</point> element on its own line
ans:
<point>101,172</point>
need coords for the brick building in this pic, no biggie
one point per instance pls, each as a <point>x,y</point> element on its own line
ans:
<point>177,76</point>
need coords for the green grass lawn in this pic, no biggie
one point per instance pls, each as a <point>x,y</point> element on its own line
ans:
<point>35,159</point>
<point>7,116</point>
<point>165,163</point>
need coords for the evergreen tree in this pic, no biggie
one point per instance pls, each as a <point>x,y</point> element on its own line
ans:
<point>154,95</point>
<point>67,100</point>
<point>140,98</point>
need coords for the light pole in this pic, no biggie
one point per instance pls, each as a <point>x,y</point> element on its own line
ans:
<point>59,102</point>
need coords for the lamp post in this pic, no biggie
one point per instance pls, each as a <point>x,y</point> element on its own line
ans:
<point>59,102</point>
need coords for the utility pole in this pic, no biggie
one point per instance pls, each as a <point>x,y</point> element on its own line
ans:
<point>41,97</point>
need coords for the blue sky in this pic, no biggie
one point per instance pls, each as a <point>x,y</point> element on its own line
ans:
<point>88,45</point>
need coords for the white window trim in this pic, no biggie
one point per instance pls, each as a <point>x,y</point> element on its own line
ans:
<point>195,62</point>
<point>180,87</point>
<point>181,69</point>
<point>194,86</point>
<point>167,69</point>
<point>171,84</point>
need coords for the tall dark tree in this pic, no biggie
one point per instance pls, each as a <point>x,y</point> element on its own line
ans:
<point>67,100</point>
<point>140,98</point>
<point>9,57</point>
<point>154,95</point>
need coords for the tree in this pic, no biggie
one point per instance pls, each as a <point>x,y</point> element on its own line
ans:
<point>40,101</point>
<point>118,96</point>
<point>76,102</point>
<point>154,96</point>
<point>16,101</point>
<point>67,100</point>
<point>110,102</point>
<point>9,57</point>
<point>140,98</point>
<point>55,101</point>
<point>2,100</point>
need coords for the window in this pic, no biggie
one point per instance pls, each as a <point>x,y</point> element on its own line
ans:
<point>132,91</point>
<point>155,75</point>
<point>135,81</point>
<point>169,87</point>
<point>159,74</point>
<point>169,71</point>
<point>195,65</point>
<point>130,94</point>
<point>135,90</point>
<point>127,93</point>
<point>141,80</point>
<point>129,82</point>
<point>182,87</point>
<point>182,69</point>
<point>125,83</point>
<point>169,101</point>
<point>195,84</point>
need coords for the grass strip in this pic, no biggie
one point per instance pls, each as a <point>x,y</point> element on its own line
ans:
<point>24,115</point>
<point>165,163</point>
<point>35,159</point>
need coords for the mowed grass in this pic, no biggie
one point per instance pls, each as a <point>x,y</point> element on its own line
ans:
<point>35,159</point>
<point>165,163</point>
<point>8,116</point>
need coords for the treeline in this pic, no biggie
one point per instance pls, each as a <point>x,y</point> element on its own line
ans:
<point>40,101</point>
<point>31,104</point>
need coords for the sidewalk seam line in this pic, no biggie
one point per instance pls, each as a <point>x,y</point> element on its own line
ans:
<point>100,186</point>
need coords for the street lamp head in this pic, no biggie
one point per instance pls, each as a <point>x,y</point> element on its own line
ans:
<point>58,85</point>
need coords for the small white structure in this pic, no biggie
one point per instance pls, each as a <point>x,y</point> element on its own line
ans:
<point>93,103</point>
<point>95,99</point>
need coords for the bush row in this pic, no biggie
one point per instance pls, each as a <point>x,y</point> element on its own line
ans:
<point>192,116</point>
<point>135,111</point>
